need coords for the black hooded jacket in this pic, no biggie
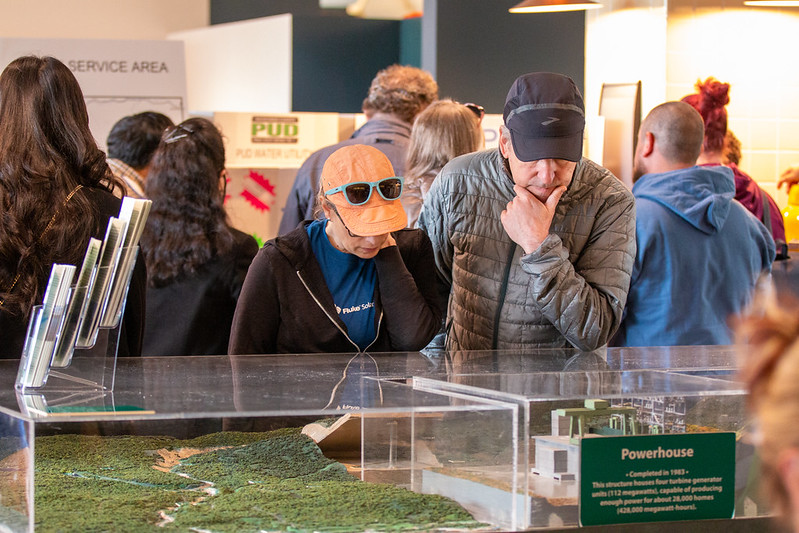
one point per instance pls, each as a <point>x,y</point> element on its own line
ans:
<point>286,307</point>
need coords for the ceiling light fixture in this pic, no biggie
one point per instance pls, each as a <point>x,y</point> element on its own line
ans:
<point>385,9</point>
<point>551,6</point>
<point>772,3</point>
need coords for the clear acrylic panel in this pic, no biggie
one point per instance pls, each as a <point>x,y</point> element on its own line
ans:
<point>477,428</point>
<point>205,397</point>
<point>430,448</point>
<point>115,303</point>
<point>636,401</point>
<point>16,473</point>
<point>81,357</point>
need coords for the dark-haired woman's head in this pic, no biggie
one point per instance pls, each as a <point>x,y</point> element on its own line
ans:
<point>48,154</point>
<point>42,111</point>
<point>188,163</point>
<point>187,225</point>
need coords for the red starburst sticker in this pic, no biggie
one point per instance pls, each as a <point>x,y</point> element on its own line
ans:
<point>255,183</point>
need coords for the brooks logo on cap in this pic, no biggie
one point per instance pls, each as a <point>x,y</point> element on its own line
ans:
<point>550,121</point>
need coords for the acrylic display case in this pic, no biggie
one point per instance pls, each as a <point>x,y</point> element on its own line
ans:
<point>465,425</point>
<point>682,400</point>
<point>389,426</point>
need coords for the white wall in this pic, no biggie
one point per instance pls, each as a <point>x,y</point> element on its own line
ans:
<point>752,49</point>
<point>670,45</point>
<point>240,66</point>
<point>101,19</point>
<point>625,42</point>
<point>118,20</point>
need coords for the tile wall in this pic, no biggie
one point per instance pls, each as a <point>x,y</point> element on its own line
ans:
<point>752,49</point>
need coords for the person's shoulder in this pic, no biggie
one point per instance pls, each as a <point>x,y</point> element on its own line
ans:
<point>594,173</point>
<point>597,181</point>
<point>383,123</point>
<point>361,136</point>
<point>411,240</point>
<point>106,202</point>
<point>737,209</point>
<point>290,244</point>
<point>741,221</point>
<point>321,154</point>
<point>244,243</point>
<point>482,164</point>
<point>409,235</point>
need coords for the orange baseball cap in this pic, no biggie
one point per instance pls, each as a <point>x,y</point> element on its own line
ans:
<point>362,163</point>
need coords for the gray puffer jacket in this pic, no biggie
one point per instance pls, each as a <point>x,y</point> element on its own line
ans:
<point>571,290</point>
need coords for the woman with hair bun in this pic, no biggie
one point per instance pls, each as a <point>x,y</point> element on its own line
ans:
<point>711,101</point>
<point>196,262</point>
<point>56,191</point>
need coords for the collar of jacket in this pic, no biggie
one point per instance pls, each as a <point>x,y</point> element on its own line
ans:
<point>295,246</point>
<point>384,123</point>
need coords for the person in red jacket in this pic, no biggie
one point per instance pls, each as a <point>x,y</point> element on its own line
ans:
<point>711,101</point>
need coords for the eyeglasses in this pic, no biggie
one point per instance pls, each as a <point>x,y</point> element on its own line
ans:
<point>177,134</point>
<point>333,207</point>
<point>478,110</point>
<point>359,192</point>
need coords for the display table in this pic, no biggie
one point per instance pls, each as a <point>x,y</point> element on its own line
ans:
<point>464,425</point>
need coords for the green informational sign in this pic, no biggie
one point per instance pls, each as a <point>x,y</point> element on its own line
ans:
<point>654,478</point>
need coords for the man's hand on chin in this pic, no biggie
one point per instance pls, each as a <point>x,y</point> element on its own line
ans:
<point>527,220</point>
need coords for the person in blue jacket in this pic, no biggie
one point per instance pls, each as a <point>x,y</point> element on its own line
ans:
<point>699,252</point>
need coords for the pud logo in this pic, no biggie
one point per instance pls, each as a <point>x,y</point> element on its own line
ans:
<point>275,130</point>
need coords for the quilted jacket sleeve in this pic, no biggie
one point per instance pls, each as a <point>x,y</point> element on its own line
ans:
<point>433,220</point>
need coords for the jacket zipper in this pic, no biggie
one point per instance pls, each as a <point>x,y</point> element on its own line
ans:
<point>333,320</point>
<point>377,333</point>
<point>502,292</point>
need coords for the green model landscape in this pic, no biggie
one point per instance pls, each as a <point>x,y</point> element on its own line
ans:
<point>223,482</point>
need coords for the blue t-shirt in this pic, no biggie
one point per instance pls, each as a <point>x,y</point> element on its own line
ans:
<point>351,280</point>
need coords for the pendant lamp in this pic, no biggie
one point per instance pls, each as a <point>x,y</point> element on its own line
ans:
<point>772,3</point>
<point>550,6</point>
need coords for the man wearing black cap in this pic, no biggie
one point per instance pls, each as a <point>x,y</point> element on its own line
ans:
<point>535,242</point>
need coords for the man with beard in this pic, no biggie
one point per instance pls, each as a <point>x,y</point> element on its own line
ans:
<point>699,252</point>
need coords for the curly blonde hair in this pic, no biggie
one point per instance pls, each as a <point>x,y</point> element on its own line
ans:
<point>400,90</point>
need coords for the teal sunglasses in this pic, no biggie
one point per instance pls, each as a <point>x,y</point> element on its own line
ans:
<point>359,192</point>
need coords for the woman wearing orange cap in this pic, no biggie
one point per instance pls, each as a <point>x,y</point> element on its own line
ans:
<point>354,281</point>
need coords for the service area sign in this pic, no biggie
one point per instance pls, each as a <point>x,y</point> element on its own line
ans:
<point>117,77</point>
<point>654,478</point>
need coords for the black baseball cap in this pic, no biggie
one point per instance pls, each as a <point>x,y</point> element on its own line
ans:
<point>545,114</point>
